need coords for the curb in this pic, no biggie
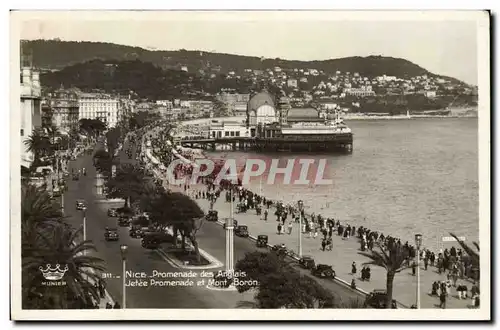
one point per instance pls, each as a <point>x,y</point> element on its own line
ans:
<point>337,279</point>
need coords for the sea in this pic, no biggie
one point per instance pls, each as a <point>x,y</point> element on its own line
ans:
<point>404,177</point>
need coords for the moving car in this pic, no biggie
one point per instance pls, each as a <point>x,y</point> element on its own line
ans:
<point>307,262</point>
<point>112,212</point>
<point>323,271</point>
<point>111,234</point>
<point>80,205</point>
<point>262,240</point>
<point>241,231</point>
<point>377,299</point>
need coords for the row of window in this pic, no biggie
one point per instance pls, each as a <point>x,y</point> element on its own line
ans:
<point>226,134</point>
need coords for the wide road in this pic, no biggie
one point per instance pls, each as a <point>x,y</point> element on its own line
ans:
<point>211,238</point>
<point>138,259</point>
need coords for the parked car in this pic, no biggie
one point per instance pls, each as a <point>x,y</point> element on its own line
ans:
<point>279,249</point>
<point>262,240</point>
<point>307,262</point>
<point>150,243</point>
<point>212,215</point>
<point>377,299</point>
<point>80,205</point>
<point>124,221</point>
<point>323,271</point>
<point>111,234</point>
<point>241,231</point>
<point>112,212</point>
<point>136,232</point>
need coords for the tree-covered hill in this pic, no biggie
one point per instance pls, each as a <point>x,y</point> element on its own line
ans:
<point>55,55</point>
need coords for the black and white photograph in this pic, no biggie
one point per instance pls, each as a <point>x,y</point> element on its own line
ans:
<point>236,165</point>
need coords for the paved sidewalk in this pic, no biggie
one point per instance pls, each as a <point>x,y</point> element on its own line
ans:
<point>344,252</point>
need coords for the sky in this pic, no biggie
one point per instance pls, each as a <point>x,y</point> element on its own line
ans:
<point>446,45</point>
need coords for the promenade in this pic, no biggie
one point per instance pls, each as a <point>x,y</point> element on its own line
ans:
<point>341,257</point>
<point>343,253</point>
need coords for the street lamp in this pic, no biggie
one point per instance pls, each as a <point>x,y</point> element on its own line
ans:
<point>84,210</point>
<point>418,243</point>
<point>123,250</point>
<point>301,207</point>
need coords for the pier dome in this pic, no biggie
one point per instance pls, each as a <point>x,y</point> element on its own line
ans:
<point>261,109</point>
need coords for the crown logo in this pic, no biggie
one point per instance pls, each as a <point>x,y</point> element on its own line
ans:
<point>53,274</point>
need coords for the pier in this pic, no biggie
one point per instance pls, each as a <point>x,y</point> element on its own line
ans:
<point>314,143</point>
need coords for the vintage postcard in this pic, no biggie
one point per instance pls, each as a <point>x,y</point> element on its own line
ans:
<point>191,165</point>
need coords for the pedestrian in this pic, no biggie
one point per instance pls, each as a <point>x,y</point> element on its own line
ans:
<point>442,299</point>
<point>265,214</point>
<point>426,262</point>
<point>290,227</point>
<point>279,228</point>
<point>108,306</point>
<point>413,268</point>
<point>323,244</point>
<point>116,306</point>
<point>353,268</point>
<point>353,284</point>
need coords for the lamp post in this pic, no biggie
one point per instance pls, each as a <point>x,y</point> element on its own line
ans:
<point>418,243</point>
<point>84,210</point>
<point>123,250</point>
<point>301,207</point>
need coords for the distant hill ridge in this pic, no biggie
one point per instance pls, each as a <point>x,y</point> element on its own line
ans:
<point>56,55</point>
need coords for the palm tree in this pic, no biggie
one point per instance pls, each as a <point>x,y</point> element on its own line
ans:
<point>38,212</point>
<point>473,255</point>
<point>394,261</point>
<point>47,239</point>
<point>58,247</point>
<point>38,144</point>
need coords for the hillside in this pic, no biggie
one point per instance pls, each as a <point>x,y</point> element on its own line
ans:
<point>55,55</point>
<point>143,78</point>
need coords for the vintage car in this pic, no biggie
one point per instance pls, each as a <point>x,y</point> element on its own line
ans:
<point>307,262</point>
<point>136,232</point>
<point>150,242</point>
<point>112,212</point>
<point>212,215</point>
<point>235,224</point>
<point>111,234</point>
<point>323,271</point>
<point>241,231</point>
<point>262,240</point>
<point>377,299</point>
<point>80,205</point>
<point>124,221</point>
<point>279,249</point>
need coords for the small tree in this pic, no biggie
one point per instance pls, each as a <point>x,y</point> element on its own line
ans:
<point>394,261</point>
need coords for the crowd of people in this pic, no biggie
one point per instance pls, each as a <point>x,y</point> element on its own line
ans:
<point>452,262</point>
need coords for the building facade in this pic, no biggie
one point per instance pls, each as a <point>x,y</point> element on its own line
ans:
<point>64,108</point>
<point>100,106</point>
<point>31,110</point>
